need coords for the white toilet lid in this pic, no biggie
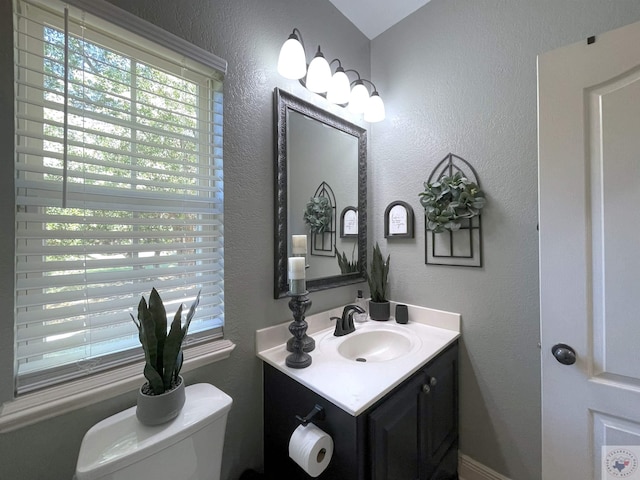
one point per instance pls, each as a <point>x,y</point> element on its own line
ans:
<point>121,440</point>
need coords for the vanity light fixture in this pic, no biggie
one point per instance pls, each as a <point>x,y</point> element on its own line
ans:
<point>361,102</point>
<point>292,62</point>
<point>337,88</point>
<point>374,111</point>
<point>359,97</point>
<point>319,73</point>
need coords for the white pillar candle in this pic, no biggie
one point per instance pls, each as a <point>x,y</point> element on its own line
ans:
<point>296,268</point>
<point>299,244</point>
<point>297,283</point>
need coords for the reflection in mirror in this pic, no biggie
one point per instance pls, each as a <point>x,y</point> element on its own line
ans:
<point>320,189</point>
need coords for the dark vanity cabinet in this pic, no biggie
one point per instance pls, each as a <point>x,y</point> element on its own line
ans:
<point>413,433</point>
<point>410,434</point>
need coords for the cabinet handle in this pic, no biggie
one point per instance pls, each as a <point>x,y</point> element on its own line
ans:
<point>426,388</point>
<point>433,382</point>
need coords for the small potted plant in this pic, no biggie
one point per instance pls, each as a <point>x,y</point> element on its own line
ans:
<point>318,214</point>
<point>379,307</point>
<point>449,200</point>
<point>162,397</point>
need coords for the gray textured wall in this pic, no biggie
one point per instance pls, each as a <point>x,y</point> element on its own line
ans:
<point>248,34</point>
<point>460,76</point>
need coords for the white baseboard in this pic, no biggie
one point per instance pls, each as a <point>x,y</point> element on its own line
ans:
<point>470,469</point>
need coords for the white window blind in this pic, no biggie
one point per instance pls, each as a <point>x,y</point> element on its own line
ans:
<point>119,189</point>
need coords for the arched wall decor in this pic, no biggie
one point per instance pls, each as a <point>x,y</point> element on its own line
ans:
<point>349,222</point>
<point>461,247</point>
<point>398,220</point>
<point>323,244</point>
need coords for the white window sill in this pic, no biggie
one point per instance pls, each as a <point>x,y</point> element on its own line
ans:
<point>34,407</point>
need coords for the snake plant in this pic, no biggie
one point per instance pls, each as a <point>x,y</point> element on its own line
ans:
<point>345,265</point>
<point>162,351</point>
<point>377,276</point>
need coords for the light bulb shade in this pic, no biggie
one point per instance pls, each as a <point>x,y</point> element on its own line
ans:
<point>359,98</point>
<point>374,112</point>
<point>292,62</point>
<point>339,88</point>
<point>319,74</point>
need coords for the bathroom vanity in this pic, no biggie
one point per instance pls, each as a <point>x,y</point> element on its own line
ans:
<point>392,416</point>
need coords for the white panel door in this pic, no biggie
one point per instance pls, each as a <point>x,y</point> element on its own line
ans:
<point>589,193</point>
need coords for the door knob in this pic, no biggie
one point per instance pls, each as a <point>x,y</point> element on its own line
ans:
<point>564,354</point>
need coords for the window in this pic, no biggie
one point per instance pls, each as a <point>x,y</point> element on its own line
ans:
<point>119,189</point>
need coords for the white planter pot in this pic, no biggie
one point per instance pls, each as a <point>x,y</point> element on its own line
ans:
<point>158,409</point>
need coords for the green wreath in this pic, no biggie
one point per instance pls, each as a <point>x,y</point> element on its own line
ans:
<point>449,200</point>
<point>317,214</point>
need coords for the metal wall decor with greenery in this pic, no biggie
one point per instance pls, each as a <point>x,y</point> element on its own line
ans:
<point>320,217</point>
<point>452,201</point>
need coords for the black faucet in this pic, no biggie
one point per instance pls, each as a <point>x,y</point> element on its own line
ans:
<point>345,325</point>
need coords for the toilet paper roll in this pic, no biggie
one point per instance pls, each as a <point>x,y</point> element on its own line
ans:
<point>311,448</point>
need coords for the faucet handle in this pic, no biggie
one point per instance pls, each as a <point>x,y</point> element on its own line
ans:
<point>339,331</point>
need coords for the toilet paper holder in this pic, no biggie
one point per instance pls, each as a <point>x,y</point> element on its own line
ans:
<point>317,412</point>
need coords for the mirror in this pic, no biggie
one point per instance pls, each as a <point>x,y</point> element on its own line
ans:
<point>320,168</point>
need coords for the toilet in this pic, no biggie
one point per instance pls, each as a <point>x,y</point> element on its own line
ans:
<point>189,447</point>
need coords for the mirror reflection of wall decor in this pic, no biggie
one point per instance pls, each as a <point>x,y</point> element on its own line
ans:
<point>315,146</point>
<point>349,222</point>
<point>322,209</point>
<point>346,264</point>
<point>398,220</point>
<point>452,200</point>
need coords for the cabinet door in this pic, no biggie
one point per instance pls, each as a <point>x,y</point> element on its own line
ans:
<point>413,434</point>
<point>394,434</point>
<point>439,406</point>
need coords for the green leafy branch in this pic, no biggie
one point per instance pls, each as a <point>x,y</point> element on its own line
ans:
<point>318,214</point>
<point>449,200</point>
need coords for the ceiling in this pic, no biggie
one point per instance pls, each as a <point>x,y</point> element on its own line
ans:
<point>373,17</point>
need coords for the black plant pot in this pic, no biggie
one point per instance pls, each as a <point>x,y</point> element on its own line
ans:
<point>380,311</point>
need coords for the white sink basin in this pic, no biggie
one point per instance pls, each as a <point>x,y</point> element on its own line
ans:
<point>375,346</point>
<point>390,353</point>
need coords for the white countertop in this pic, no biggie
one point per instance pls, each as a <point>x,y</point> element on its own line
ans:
<point>352,385</point>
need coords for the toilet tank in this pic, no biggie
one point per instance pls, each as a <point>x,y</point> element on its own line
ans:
<point>189,447</point>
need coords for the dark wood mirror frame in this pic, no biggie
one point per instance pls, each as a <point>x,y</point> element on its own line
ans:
<point>283,103</point>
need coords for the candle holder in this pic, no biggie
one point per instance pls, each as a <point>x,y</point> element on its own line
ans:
<point>300,344</point>
<point>308,343</point>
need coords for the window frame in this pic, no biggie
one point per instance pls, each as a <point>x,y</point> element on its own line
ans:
<point>55,400</point>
